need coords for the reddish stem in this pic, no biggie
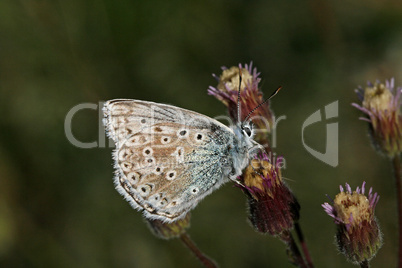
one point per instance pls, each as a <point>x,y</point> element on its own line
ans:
<point>205,260</point>
<point>293,250</point>
<point>364,264</point>
<point>396,163</point>
<point>303,245</point>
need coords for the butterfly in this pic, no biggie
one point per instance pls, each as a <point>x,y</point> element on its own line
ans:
<point>168,158</point>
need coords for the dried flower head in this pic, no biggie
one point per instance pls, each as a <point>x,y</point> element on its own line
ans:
<point>381,103</point>
<point>169,230</point>
<point>250,97</point>
<point>358,234</point>
<point>273,207</point>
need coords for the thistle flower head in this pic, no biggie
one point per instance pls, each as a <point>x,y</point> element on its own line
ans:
<point>273,207</point>
<point>169,230</point>
<point>381,103</point>
<point>358,235</point>
<point>250,97</point>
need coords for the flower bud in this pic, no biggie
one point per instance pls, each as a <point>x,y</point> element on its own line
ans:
<point>358,234</point>
<point>169,230</point>
<point>250,97</point>
<point>381,103</point>
<point>273,207</point>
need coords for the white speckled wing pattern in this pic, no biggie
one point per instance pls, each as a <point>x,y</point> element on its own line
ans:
<point>167,158</point>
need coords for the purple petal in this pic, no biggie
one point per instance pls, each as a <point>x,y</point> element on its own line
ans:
<point>216,77</point>
<point>330,199</point>
<point>360,93</point>
<point>392,84</point>
<point>348,188</point>
<point>365,119</point>
<point>397,96</point>
<point>329,210</point>
<point>376,201</point>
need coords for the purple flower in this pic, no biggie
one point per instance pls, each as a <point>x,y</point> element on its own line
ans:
<point>358,234</point>
<point>381,104</point>
<point>273,207</point>
<point>250,97</point>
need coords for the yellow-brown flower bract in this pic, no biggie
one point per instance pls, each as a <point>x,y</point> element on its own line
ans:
<point>381,103</point>
<point>273,207</point>
<point>358,234</point>
<point>169,230</point>
<point>250,97</point>
<point>229,81</point>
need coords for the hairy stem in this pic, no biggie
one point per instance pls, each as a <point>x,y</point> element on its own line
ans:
<point>396,163</point>
<point>205,260</point>
<point>303,245</point>
<point>365,264</point>
<point>293,251</point>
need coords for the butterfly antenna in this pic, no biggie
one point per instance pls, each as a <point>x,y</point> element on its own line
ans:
<point>238,97</point>
<point>262,103</point>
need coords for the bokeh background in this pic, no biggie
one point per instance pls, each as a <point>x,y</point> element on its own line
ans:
<point>58,206</point>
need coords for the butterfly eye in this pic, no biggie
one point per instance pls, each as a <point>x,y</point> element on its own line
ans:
<point>247,130</point>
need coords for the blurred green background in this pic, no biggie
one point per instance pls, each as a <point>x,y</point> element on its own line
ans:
<point>58,206</point>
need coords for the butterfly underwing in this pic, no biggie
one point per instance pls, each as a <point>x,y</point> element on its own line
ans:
<point>167,158</point>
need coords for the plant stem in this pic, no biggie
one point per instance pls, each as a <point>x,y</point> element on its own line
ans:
<point>293,250</point>
<point>365,264</point>
<point>303,245</point>
<point>205,260</point>
<point>396,163</point>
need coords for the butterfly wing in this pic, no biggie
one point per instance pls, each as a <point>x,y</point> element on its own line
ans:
<point>167,158</point>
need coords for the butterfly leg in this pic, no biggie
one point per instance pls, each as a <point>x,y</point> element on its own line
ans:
<point>233,177</point>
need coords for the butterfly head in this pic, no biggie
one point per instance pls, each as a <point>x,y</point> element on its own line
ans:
<point>244,133</point>
<point>247,129</point>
